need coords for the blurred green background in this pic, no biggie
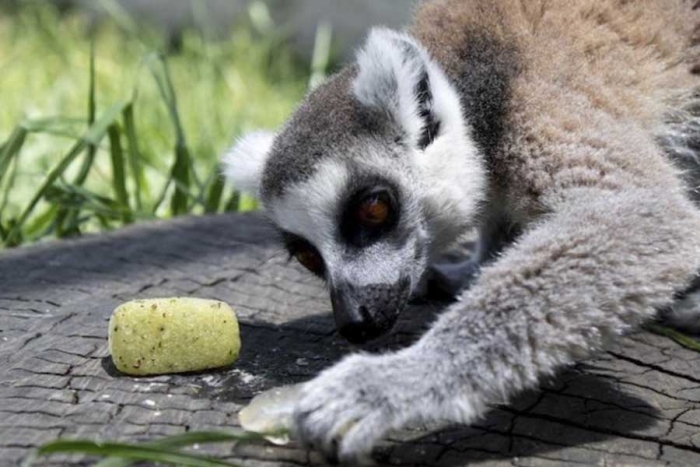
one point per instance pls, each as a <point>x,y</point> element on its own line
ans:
<point>108,122</point>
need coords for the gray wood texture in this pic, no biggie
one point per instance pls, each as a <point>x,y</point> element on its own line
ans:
<point>637,404</point>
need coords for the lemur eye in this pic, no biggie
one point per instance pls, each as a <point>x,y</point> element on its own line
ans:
<point>369,214</point>
<point>375,210</point>
<point>310,259</point>
<point>307,256</point>
<point>305,253</point>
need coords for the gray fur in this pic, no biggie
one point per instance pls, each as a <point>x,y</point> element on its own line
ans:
<point>327,124</point>
<point>496,232</point>
<point>521,321</point>
<point>484,79</point>
<point>588,227</point>
<point>680,138</point>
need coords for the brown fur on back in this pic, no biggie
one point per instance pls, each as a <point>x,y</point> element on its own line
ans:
<point>590,86</point>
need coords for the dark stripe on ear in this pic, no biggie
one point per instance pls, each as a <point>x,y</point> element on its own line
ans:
<point>431,125</point>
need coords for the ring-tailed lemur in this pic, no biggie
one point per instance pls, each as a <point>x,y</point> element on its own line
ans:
<point>556,118</point>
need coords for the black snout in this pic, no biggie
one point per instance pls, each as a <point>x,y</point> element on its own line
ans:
<point>367,312</point>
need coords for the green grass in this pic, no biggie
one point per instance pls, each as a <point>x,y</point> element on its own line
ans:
<point>166,450</point>
<point>676,336</point>
<point>100,128</point>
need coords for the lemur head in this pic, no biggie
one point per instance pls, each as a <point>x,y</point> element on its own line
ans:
<point>374,174</point>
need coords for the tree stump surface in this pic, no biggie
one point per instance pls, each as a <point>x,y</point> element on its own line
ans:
<point>638,404</point>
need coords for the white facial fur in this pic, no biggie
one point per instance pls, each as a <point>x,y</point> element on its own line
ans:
<point>451,171</point>
<point>388,77</point>
<point>445,182</point>
<point>311,210</point>
<point>244,162</point>
<point>308,209</point>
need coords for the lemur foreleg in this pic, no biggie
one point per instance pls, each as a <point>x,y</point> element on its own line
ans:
<point>597,266</point>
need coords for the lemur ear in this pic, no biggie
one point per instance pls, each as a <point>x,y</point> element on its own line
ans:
<point>244,162</point>
<point>394,75</point>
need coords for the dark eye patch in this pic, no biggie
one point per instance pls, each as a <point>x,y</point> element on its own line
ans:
<point>376,199</point>
<point>304,252</point>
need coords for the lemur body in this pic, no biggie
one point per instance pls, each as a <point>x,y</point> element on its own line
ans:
<point>560,120</point>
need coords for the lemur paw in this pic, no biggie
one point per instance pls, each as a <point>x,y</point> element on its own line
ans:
<point>346,410</point>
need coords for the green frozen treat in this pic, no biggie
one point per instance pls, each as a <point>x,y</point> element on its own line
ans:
<point>173,335</point>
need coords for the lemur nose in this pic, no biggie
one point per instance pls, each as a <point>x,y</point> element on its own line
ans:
<point>358,327</point>
<point>365,313</point>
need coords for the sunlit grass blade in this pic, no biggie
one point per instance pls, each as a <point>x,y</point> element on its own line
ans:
<point>161,196</point>
<point>180,172</point>
<point>13,236</point>
<point>9,157</point>
<point>186,194</point>
<point>184,440</point>
<point>92,148</point>
<point>118,172</point>
<point>247,203</point>
<point>233,203</point>
<point>215,192</point>
<point>11,148</point>
<point>177,124</point>
<point>78,198</point>
<point>181,176</point>
<point>134,155</point>
<point>103,221</point>
<point>678,337</point>
<point>58,126</point>
<point>40,225</point>
<point>167,92</point>
<point>129,451</point>
<point>66,220</point>
<point>9,185</point>
<point>322,54</point>
<point>92,136</point>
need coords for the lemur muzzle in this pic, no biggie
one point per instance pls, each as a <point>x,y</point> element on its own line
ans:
<point>367,312</point>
